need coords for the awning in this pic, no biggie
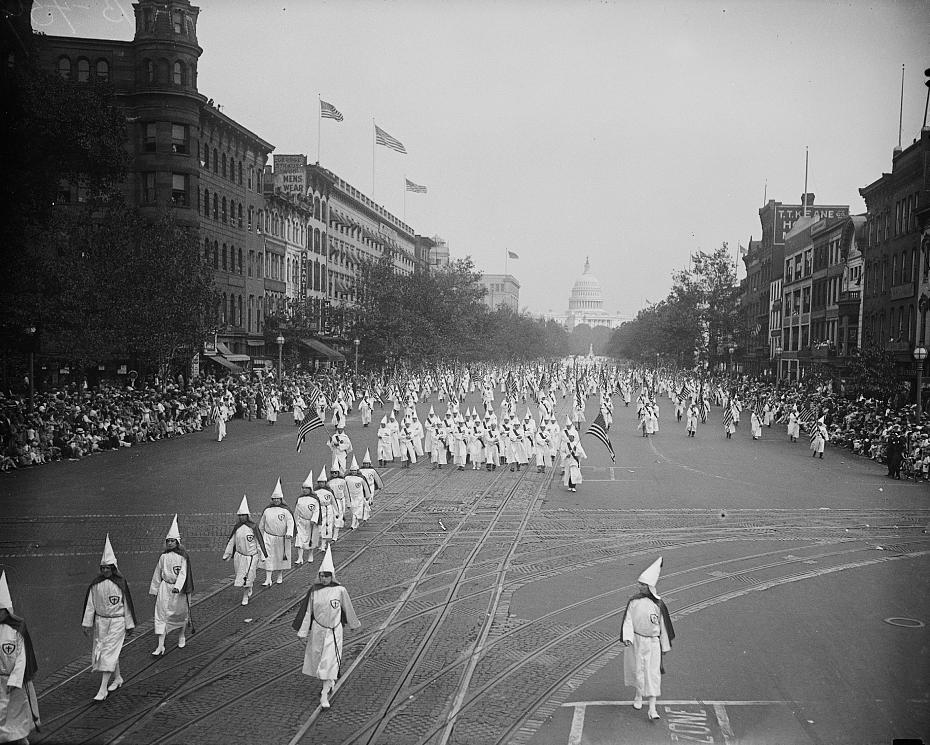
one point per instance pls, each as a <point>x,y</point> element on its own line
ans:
<point>320,348</point>
<point>238,357</point>
<point>223,361</point>
<point>223,349</point>
<point>255,343</point>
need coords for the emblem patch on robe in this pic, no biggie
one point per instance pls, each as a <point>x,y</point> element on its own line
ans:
<point>250,537</point>
<point>8,648</point>
<point>114,599</point>
<point>177,570</point>
<point>334,603</point>
<point>281,517</point>
<point>654,617</point>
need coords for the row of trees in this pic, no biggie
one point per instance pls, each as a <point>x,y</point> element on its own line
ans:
<point>696,323</point>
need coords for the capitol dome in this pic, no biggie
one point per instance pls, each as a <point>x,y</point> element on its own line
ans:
<point>586,296</point>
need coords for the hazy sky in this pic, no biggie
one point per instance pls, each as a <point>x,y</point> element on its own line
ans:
<point>632,132</point>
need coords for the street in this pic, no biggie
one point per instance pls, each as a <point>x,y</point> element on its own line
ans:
<point>490,602</point>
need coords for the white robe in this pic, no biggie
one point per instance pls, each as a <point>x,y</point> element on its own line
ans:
<point>322,627</point>
<point>306,522</point>
<point>277,527</point>
<point>644,626</point>
<point>246,554</point>
<point>17,700</point>
<point>359,493</point>
<point>172,609</point>
<point>109,615</point>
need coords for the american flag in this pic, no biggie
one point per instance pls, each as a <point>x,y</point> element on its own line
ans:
<point>309,424</point>
<point>313,394</point>
<point>328,111</point>
<point>383,138</point>
<point>806,416</point>
<point>579,399</point>
<point>598,429</point>
<point>511,387</point>
<point>415,188</point>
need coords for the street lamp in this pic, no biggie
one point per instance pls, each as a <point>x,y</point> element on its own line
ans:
<point>778,357</point>
<point>356,343</point>
<point>732,349</point>
<point>920,354</point>
<point>280,341</point>
<point>31,332</point>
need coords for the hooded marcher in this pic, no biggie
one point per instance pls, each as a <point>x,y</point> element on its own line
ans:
<point>647,633</point>
<point>277,528</point>
<point>19,707</point>
<point>693,416</point>
<point>306,521</point>
<point>325,609</point>
<point>172,584</point>
<point>819,438</point>
<point>385,446</point>
<point>359,493</point>
<point>246,548</point>
<point>374,483</point>
<point>108,611</point>
<point>572,453</point>
<point>327,511</point>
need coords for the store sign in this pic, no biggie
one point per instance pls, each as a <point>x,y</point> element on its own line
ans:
<point>786,215</point>
<point>290,173</point>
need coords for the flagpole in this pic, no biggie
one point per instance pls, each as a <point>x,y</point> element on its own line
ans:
<point>405,197</point>
<point>319,126</point>
<point>374,141</point>
<point>506,256</point>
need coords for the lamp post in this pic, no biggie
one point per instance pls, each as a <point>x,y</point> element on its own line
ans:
<point>920,354</point>
<point>778,362</point>
<point>356,343</point>
<point>280,341</point>
<point>31,332</point>
<point>731,349</point>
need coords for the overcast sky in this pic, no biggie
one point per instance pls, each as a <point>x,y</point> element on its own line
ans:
<point>631,132</point>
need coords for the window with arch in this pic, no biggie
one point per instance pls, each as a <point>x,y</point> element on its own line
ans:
<point>216,207</point>
<point>225,263</point>
<point>177,73</point>
<point>83,70</point>
<point>206,251</point>
<point>206,203</point>
<point>215,160</point>
<point>216,255</point>
<point>232,310</point>
<point>239,310</point>
<point>177,21</point>
<point>224,209</point>
<point>224,166</point>
<point>223,312</point>
<point>240,173</point>
<point>249,317</point>
<point>239,254</point>
<point>64,67</point>
<point>250,218</point>
<point>103,71</point>
<point>239,214</point>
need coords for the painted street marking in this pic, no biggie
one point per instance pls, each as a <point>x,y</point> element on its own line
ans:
<point>724,721</point>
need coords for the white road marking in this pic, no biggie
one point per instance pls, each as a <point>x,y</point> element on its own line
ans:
<point>724,721</point>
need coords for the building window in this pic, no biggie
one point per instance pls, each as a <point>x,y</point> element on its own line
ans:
<point>179,196</point>
<point>149,71</point>
<point>224,257</point>
<point>177,21</point>
<point>149,143</point>
<point>103,71</point>
<point>250,219</point>
<point>240,173</point>
<point>177,73</point>
<point>148,187</point>
<point>83,70</point>
<point>216,255</point>
<point>224,165</point>
<point>64,68</point>
<point>206,203</point>
<point>251,173</point>
<point>239,214</point>
<point>179,139</point>
<point>216,161</point>
<point>223,212</point>
<point>239,254</point>
<point>206,250</point>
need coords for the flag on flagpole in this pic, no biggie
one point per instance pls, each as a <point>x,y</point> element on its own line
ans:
<point>598,429</point>
<point>512,255</point>
<point>383,138</point>
<point>415,188</point>
<point>328,111</point>
<point>309,424</point>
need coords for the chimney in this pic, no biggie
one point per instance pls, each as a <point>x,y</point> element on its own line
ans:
<point>807,200</point>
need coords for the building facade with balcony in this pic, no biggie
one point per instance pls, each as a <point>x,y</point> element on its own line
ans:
<point>895,255</point>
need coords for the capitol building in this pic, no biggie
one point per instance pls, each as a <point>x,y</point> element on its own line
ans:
<point>586,305</point>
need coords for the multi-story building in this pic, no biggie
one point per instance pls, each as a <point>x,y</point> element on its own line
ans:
<point>895,255</point>
<point>764,261</point>
<point>502,289</point>
<point>849,302</point>
<point>440,254</point>
<point>186,155</point>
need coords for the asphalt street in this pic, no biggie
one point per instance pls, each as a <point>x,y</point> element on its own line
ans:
<point>799,588</point>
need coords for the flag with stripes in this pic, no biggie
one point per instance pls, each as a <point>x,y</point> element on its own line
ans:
<point>328,111</point>
<point>511,387</point>
<point>313,394</point>
<point>598,429</point>
<point>579,399</point>
<point>309,424</point>
<point>415,188</point>
<point>512,255</point>
<point>806,417</point>
<point>383,138</point>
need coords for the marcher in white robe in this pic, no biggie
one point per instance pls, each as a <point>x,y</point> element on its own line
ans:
<point>277,527</point>
<point>438,454</point>
<point>385,446</point>
<point>172,584</point>
<point>693,418</point>
<point>794,425</point>
<point>408,453</point>
<point>755,421</point>
<point>819,438</point>
<point>222,414</point>
<point>339,490</point>
<point>246,548</point>
<point>306,522</point>
<point>325,609</point>
<point>271,410</point>
<point>365,406</point>
<point>374,483</point>
<point>19,707</point>
<point>647,632</point>
<point>340,446</point>
<point>476,446</point>
<point>516,456</point>
<point>327,526</point>
<point>543,450</point>
<point>359,493</point>
<point>109,615</point>
<point>572,453</point>
<point>767,415</point>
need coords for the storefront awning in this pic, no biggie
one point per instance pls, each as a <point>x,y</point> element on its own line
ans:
<point>320,348</point>
<point>223,361</point>
<point>255,343</point>
<point>238,357</point>
<point>223,349</point>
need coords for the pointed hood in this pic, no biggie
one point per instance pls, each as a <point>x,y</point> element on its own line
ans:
<point>354,465</point>
<point>322,477</point>
<point>650,576</point>
<point>367,459</point>
<point>5,600</point>
<point>327,565</point>
<point>308,482</point>
<point>278,493</point>
<point>173,531</point>
<point>244,507</point>
<point>108,558</point>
